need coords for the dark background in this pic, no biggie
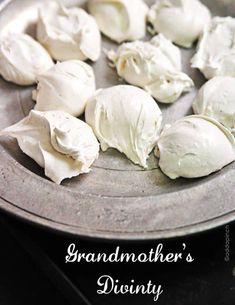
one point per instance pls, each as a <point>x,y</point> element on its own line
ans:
<point>33,269</point>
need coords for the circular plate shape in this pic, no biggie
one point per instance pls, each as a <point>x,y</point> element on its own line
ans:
<point>117,200</point>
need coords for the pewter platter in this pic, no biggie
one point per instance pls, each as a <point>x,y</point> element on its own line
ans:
<point>117,200</point>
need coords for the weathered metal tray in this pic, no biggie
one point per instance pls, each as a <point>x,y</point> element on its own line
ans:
<point>117,200</point>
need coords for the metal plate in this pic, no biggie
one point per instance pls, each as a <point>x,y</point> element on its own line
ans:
<point>117,200</point>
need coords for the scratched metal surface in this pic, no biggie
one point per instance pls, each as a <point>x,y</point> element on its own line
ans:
<point>117,200</point>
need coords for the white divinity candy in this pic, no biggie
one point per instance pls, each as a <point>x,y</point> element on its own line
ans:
<point>120,20</point>
<point>194,147</point>
<point>66,87</point>
<point>154,66</point>
<point>181,21</point>
<point>68,33</point>
<point>22,58</point>
<point>126,118</point>
<point>216,51</point>
<point>216,99</point>
<point>65,146</point>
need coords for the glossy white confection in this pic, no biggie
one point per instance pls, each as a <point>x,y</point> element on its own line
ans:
<point>194,147</point>
<point>216,50</point>
<point>181,21</point>
<point>61,144</point>
<point>22,58</point>
<point>68,33</point>
<point>23,22</point>
<point>216,99</point>
<point>120,20</point>
<point>66,87</point>
<point>154,66</point>
<point>125,118</point>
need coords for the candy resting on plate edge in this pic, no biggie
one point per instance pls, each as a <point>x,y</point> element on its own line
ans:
<point>194,147</point>
<point>61,144</point>
<point>215,54</point>
<point>216,99</point>
<point>22,58</point>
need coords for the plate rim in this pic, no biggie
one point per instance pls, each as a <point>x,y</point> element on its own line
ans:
<point>69,230</point>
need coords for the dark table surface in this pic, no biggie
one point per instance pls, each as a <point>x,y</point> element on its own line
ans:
<point>33,269</point>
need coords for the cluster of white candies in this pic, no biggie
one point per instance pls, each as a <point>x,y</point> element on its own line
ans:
<point>124,117</point>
